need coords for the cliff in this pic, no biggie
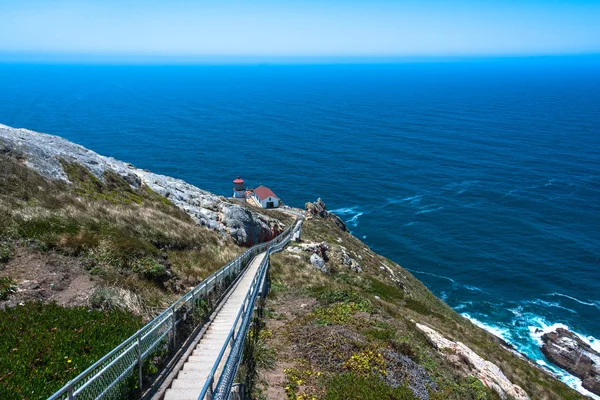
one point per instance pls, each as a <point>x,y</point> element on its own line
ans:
<point>83,237</point>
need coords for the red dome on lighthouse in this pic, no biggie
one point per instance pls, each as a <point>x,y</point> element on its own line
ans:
<point>238,180</point>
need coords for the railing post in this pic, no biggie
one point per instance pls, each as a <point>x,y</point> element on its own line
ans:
<point>139,346</point>
<point>209,392</point>
<point>70,392</point>
<point>173,326</point>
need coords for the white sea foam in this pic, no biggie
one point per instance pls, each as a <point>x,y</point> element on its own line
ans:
<point>550,304</point>
<point>411,199</point>
<point>428,210</point>
<point>473,288</point>
<point>502,333</point>
<point>344,210</point>
<point>353,211</point>
<point>429,273</point>
<point>590,303</point>
<point>354,219</point>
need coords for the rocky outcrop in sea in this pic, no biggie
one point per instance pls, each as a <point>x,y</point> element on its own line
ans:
<point>44,153</point>
<point>569,352</point>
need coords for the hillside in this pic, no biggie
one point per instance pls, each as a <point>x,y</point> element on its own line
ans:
<point>92,247</point>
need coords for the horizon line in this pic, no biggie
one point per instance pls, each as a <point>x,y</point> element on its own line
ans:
<point>152,59</point>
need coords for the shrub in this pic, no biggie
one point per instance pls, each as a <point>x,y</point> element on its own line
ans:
<point>350,386</point>
<point>47,345</point>
<point>7,287</point>
<point>150,269</point>
<point>385,291</point>
<point>5,252</point>
<point>342,295</point>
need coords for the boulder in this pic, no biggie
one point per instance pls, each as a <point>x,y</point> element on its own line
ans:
<point>339,255</point>
<point>318,262</point>
<point>319,209</point>
<point>569,352</point>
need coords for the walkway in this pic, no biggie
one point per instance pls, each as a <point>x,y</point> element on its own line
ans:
<point>192,377</point>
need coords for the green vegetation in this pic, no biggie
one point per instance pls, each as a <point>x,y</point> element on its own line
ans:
<point>129,237</point>
<point>350,386</point>
<point>142,252</point>
<point>354,327</point>
<point>45,345</point>
<point>7,287</point>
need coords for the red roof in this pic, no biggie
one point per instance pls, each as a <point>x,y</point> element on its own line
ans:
<point>263,192</point>
<point>238,180</point>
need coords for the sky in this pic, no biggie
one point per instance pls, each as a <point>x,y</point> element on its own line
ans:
<point>189,29</point>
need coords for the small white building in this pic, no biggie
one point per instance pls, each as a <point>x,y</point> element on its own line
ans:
<point>265,197</point>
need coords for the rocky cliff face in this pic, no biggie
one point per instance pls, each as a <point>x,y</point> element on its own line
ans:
<point>44,153</point>
<point>568,351</point>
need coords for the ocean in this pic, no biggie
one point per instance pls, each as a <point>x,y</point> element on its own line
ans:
<point>481,177</point>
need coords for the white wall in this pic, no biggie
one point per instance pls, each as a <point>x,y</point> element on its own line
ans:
<point>268,199</point>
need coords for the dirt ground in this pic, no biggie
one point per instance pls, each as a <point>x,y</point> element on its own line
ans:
<point>284,310</point>
<point>47,276</point>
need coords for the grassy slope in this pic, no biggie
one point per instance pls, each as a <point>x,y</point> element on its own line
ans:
<point>141,251</point>
<point>328,331</point>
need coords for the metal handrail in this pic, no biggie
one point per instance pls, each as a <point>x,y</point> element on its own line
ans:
<point>134,350</point>
<point>236,340</point>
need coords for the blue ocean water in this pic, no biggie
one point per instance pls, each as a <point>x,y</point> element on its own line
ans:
<point>482,177</point>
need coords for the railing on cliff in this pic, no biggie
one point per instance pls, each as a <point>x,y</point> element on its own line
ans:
<point>239,331</point>
<point>124,371</point>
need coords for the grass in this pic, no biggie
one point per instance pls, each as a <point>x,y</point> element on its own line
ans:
<point>350,386</point>
<point>357,315</point>
<point>45,345</point>
<point>143,251</point>
<point>126,236</point>
<point>7,287</point>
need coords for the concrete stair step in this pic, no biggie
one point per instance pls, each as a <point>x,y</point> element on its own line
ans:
<point>188,384</point>
<point>181,394</point>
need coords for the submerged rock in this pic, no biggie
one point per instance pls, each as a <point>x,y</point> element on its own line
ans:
<point>568,351</point>
<point>43,153</point>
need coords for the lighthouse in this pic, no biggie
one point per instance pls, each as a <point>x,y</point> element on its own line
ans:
<point>239,188</point>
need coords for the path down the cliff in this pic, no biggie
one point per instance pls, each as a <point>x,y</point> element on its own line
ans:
<point>195,372</point>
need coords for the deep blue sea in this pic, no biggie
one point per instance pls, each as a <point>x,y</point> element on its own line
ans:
<point>481,177</point>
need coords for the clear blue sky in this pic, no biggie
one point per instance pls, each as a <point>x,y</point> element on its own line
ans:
<point>280,28</point>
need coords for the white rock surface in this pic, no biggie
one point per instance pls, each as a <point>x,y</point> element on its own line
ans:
<point>43,152</point>
<point>486,371</point>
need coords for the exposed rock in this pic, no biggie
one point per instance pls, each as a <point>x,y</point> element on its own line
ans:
<point>568,351</point>
<point>318,209</point>
<point>317,248</point>
<point>43,153</point>
<point>318,262</point>
<point>401,370</point>
<point>472,364</point>
<point>339,255</point>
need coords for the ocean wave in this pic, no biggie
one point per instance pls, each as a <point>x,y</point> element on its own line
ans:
<point>411,199</point>
<point>344,210</point>
<point>353,211</point>
<point>550,304</point>
<point>428,210</point>
<point>528,339</point>
<point>590,303</point>
<point>429,273</point>
<point>473,288</point>
<point>502,333</point>
<point>354,220</point>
